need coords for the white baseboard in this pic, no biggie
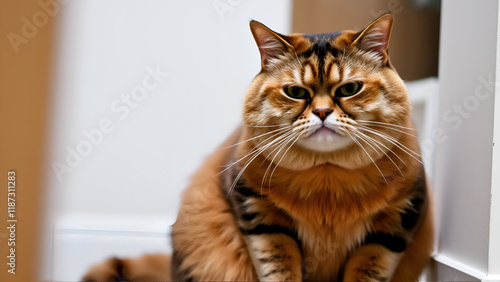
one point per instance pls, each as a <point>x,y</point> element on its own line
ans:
<point>445,268</point>
<point>81,241</point>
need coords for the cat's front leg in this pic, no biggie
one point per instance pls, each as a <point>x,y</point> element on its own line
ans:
<point>372,262</point>
<point>276,257</point>
<point>270,239</point>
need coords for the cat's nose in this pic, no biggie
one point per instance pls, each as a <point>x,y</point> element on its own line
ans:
<point>322,113</point>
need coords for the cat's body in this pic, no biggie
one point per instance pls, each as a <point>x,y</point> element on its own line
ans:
<point>322,182</point>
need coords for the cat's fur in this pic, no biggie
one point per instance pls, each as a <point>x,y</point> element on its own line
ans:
<point>325,186</point>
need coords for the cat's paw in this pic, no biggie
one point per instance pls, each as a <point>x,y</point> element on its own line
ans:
<point>110,270</point>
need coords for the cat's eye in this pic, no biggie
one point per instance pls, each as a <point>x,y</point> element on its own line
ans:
<point>348,89</point>
<point>297,92</point>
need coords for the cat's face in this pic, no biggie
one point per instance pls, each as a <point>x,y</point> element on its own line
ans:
<point>326,98</point>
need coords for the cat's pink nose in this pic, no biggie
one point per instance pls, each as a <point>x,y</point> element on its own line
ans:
<point>322,113</point>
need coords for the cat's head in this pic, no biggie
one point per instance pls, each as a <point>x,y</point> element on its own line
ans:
<point>326,98</point>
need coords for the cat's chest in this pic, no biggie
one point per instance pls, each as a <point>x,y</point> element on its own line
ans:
<point>325,250</point>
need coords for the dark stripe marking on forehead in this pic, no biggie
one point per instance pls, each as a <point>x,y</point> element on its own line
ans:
<point>321,48</point>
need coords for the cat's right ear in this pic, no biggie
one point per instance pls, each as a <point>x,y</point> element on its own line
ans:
<point>375,37</point>
<point>271,45</point>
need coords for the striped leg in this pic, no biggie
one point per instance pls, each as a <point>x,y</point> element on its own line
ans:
<point>270,240</point>
<point>379,257</point>
<point>371,262</point>
<point>276,257</point>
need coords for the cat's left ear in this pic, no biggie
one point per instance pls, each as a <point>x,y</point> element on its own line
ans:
<point>375,37</point>
<point>271,45</point>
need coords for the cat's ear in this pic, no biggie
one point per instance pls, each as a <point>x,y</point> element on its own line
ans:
<point>271,45</point>
<point>375,37</point>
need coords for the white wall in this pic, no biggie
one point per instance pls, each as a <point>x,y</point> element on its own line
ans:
<point>463,180</point>
<point>494,230</point>
<point>105,50</point>
<point>135,172</point>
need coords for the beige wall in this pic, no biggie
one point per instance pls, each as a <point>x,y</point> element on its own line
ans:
<point>415,38</point>
<point>24,84</point>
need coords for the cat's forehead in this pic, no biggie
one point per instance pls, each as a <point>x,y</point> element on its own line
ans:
<point>320,57</point>
<point>322,38</point>
<point>319,43</point>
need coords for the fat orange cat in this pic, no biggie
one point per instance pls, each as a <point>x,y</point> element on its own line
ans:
<point>323,181</point>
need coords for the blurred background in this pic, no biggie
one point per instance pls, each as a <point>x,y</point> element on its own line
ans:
<point>108,107</point>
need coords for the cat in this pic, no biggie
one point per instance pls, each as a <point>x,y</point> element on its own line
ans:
<point>323,180</point>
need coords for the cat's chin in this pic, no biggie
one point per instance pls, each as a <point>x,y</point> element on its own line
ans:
<point>325,142</point>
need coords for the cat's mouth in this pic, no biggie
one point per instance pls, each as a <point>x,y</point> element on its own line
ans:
<point>324,131</point>
<point>324,139</point>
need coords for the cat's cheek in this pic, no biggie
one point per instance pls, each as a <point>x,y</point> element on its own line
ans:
<point>366,116</point>
<point>270,110</point>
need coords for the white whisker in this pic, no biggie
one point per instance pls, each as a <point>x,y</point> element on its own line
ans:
<point>369,144</point>
<point>360,145</point>
<point>272,173</point>
<point>390,138</point>
<point>255,149</point>
<point>255,155</point>
<point>367,138</point>
<point>385,123</point>
<point>395,129</point>
<point>280,147</point>
<point>283,124</point>
<point>258,136</point>
<point>298,60</point>
<point>395,143</point>
<point>381,144</point>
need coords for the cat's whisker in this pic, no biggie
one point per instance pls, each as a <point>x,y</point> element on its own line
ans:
<point>301,129</point>
<point>277,165</point>
<point>298,60</point>
<point>283,124</point>
<point>277,153</point>
<point>385,123</point>
<point>381,144</point>
<point>252,151</point>
<point>394,129</point>
<point>390,138</point>
<point>377,150</point>
<point>282,139</point>
<point>343,55</point>
<point>277,146</point>
<point>360,145</point>
<point>255,155</point>
<point>258,136</point>
<point>396,143</point>
<point>367,138</point>
<point>277,142</point>
<point>280,147</point>
<point>264,141</point>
